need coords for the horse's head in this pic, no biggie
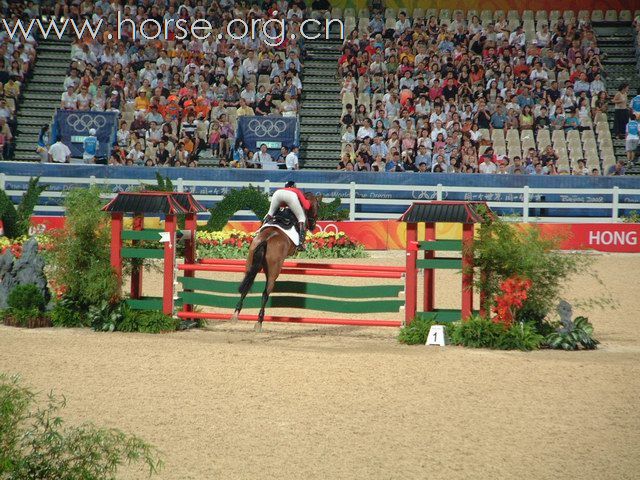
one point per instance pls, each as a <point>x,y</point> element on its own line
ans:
<point>312,214</point>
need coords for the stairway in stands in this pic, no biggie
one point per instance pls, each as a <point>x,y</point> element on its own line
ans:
<point>42,95</point>
<point>617,43</point>
<point>321,106</point>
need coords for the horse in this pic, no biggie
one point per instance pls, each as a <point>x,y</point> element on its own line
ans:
<point>268,251</point>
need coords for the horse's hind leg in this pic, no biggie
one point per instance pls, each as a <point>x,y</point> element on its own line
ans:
<point>271,270</point>
<point>268,288</point>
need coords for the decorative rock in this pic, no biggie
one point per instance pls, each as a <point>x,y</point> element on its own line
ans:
<point>28,269</point>
<point>566,314</point>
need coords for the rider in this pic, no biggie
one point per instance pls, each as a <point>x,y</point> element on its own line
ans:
<point>297,202</point>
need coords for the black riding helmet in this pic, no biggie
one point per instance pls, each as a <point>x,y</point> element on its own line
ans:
<point>290,184</point>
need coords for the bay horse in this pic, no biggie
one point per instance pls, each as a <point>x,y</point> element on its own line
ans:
<point>268,251</point>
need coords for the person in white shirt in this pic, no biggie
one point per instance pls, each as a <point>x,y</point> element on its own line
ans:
<point>402,24</point>
<point>437,114</point>
<point>517,37</point>
<point>437,130</point>
<point>538,73</point>
<point>83,99</point>
<point>136,154</point>
<point>68,101</point>
<point>264,159</point>
<point>72,80</point>
<point>348,135</point>
<point>291,160</point>
<point>250,64</point>
<point>365,130</point>
<point>59,152</point>
<point>488,166</point>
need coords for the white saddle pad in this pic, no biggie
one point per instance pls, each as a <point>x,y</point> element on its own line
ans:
<point>292,233</point>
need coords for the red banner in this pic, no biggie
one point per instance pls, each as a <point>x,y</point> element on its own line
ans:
<point>603,237</point>
<point>390,234</point>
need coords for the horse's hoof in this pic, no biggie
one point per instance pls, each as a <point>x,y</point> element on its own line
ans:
<point>234,317</point>
<point>257,327</point>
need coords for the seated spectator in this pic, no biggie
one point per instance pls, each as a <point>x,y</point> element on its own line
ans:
<point>136,154</point>
<point>548,156</point>
<point>394,164</point>
<point>244,109</point>
<point>348,136</point>
<point>69,100</point>
<point>617,169</point>
<point>265,106</point>
<point>581,168</point>
<point>572,121</point>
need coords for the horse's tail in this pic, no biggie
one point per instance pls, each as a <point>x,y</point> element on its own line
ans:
<point>254,268</point>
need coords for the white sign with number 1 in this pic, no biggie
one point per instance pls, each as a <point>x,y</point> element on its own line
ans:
<point>436,336</point>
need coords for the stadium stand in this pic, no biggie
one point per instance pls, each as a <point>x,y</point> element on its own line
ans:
<point>186,95</point>
<point>522,87</point>
<point>474,91</point>
<point>16,71</point>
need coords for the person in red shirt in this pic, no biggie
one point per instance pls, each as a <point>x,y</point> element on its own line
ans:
<point>292,197</point>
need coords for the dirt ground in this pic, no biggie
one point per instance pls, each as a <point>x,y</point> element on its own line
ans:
<point>305,402</point>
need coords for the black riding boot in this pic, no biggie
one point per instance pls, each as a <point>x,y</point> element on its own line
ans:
<point>303,236</point>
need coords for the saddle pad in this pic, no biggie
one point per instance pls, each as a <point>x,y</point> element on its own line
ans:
<point>292,233</point>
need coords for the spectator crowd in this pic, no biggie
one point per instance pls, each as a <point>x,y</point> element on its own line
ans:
<point>431,95</point>
<point>16,64</point>
<point>176,97</point>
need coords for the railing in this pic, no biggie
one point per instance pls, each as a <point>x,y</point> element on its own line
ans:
<point>528,204</point>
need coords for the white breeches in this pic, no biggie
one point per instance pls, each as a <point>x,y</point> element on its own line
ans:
<point>289,198</point>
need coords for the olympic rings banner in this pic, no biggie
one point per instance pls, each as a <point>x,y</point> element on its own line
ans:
<point>74,125</point>
<point>272,131</point>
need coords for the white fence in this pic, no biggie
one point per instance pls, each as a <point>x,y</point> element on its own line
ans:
<point>523,200</point>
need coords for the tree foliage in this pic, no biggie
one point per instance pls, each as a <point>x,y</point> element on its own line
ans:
<point>163,184</point>
<point>80,257</point>
<point>17,220</point>
<point>248,198</point>
<point>36,445</point>
<point>253,199</point>
<point>504,250</point>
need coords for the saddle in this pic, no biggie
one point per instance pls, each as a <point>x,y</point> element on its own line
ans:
<point>284,218</point>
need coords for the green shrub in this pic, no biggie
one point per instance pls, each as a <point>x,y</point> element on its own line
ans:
<point>26,304</point>
<point>156,322</point>
<point>520,336</point>
<point>36,445</point>
<point>129,321</point>
<point>26,297</point>
<point>503,250</point>
<point>632,217</point>
<point>416,332</point>
<point>80,256</point>
<point>332,211</point>
<point>146,321</point>
<point>253,199</point>
<point>581,335</point>
<point>17,220</point>
<point>67,313</point>
<point>476,332</point>
<point>107,316</point>
<point>249,198</point>
<point>163,184</point>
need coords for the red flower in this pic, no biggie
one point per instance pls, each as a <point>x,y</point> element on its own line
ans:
<point>511,300</point>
